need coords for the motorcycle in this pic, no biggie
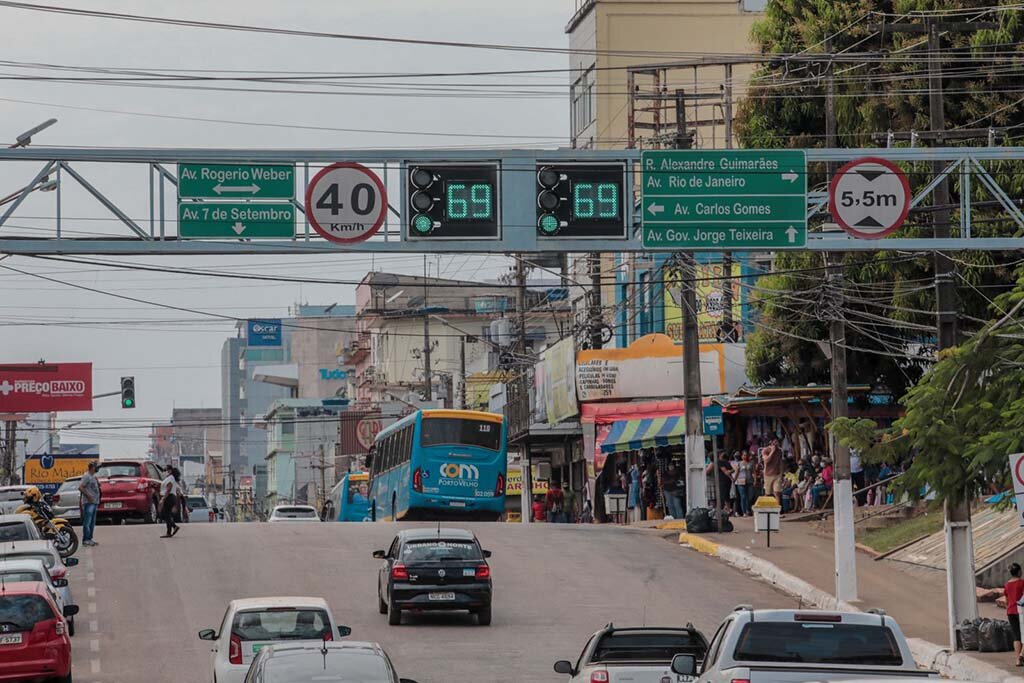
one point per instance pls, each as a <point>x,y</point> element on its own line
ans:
<point>54,529</point>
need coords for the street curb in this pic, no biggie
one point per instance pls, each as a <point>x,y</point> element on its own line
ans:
<point>673,525</point>
<point>929,655</point>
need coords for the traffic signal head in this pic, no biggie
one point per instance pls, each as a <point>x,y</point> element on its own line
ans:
<point>127,392</point>
<point>451,201</point>
<point>581,200</point>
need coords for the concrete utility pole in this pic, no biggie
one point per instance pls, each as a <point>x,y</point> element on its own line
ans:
<point>428,390</point>
<point>845,544</point>
<point>463,384</point>
<point>728,333</point>
<point>596,318</point>
<point>520,274</point>
<point>960,581</point>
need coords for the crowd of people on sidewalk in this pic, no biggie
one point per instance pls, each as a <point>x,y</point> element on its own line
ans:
<point>799,485</point>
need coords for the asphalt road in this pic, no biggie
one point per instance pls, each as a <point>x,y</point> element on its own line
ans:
<point>144,598</point>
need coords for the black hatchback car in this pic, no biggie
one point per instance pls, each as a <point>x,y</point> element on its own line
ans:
<point>434,569</point>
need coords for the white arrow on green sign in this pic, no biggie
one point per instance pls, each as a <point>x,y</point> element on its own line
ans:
<point>236,181</point>
<point>239,220</point>
<point>695,199</point>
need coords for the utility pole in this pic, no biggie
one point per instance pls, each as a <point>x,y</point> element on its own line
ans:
<point>10,448</point>
<point>845,544</point>
<point>595,315</point>
<point>520,274</point>
<point>728,333</point>
<point>428,392</point>
<point>463,384</point>
<point>960,581</point>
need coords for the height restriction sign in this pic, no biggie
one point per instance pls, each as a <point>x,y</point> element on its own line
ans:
<point>869,197</point>
<point>346,202</point>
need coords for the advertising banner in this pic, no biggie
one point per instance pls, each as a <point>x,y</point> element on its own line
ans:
<point>711,284</point>
<point>45,387</point>
<point>560,381</point>
<point>514,481</point>
<point>264,332</point>
<point>48,471</point>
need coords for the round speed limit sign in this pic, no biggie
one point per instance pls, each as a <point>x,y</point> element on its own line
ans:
<point>869,197</point>
<point>346,202</point>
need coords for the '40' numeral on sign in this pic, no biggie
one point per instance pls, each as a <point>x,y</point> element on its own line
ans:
<point>363,199</point>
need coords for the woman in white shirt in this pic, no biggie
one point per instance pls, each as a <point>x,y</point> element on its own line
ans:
<point>170,494</point>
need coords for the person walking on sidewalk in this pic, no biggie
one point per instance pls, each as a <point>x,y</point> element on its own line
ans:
<point>169,502</point>
<point>89,488</point>
<point>1014,591</point>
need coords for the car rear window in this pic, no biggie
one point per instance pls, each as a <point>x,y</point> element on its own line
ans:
<point>658,647</point>
<point>24,611</point>
<point>20,575</point>
<point>70,485</point>
<point>818,643</point>
<point>17,531</point>
<point>440,550</point>
<point>296,513</point>
<point>197,502</point>
<point>335,666</point>
<point>445,431</point>
<point>281,623</point>
<point>118,470</point>
<point>46,558</point>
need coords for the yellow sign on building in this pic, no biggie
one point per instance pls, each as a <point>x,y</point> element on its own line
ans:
<point>48,469</point>
<point>711,286</point>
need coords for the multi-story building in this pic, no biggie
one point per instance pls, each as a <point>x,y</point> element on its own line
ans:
<point>302,438</point>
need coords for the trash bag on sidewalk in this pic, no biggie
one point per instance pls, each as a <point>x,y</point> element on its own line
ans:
<point>726,524</point>
<point>990,637</point>
<point>967,635</point>
<point>698,521</point>
<point>1008,634</point>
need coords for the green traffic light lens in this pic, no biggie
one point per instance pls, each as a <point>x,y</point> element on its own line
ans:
<point>422,224</point>
<point>548,224</point>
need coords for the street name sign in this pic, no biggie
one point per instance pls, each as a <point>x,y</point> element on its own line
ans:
<point>346,202</point>
<point>236,181</point>
<point>869,197</point>
<point>236,220</point>
<point>698,199</point>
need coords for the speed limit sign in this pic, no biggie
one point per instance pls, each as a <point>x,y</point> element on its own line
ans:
<point>346,202</point>
<point>869,197</point>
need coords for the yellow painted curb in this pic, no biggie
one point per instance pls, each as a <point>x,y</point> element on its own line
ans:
<point>701,545</point>
<point>673,525</point>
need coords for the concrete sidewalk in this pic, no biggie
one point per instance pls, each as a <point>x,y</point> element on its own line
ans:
<point>915,597</point>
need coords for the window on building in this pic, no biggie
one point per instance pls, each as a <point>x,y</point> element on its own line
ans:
<point>287,427</point>
<point>583,93</point>
<point>753,5</point>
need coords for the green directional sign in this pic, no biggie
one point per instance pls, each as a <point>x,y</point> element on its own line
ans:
<point>696,199</point>
<point>236,220</point>
<point>236,181</point>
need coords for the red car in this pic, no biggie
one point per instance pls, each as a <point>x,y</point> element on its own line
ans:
<point>34,642</point>
<point>128,488</point>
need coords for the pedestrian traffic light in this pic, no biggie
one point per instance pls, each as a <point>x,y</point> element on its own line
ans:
<point>581,200</point>
<point>451,201</point>
<point>127,392</point>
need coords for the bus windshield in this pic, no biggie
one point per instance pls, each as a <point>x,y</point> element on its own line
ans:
<point>450,431</point>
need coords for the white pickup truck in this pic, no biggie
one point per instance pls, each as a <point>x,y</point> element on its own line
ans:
<point>787,646</point>
<point>634,655</point>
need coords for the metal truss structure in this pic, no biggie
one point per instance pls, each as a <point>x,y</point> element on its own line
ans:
<point>971,170</point>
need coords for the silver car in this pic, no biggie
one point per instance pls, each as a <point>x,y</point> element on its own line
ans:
<point>45,552</point>
<point>66,501</point>
<point>18,528</point>
<point>34,569</point>
<point>11,498</point>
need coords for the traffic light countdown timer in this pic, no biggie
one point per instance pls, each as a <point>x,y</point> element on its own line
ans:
<point>450,201</point>
<point>127,392</point>
<point>581,200</point>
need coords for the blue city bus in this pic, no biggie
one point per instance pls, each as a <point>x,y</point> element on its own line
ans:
<point>440,464</point>
<point>350,498</point>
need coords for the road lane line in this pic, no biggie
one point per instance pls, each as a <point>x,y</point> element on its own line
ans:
<point>90,576</point>
<point>91,591</point>
<point>92,608</point>
<point>94,626</point>
<point>94,665</point>
<point>94,645</point>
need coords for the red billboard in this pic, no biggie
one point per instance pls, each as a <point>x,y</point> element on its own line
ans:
<point>45,387</point>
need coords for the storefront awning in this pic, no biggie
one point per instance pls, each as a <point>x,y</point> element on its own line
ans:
<point>628,435</point>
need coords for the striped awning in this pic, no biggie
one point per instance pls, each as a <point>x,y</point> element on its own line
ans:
<point>629,435</point>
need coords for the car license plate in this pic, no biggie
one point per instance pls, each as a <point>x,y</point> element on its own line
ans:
<point>457,503</point>
<point>442,597</point>
<point>113,506</point>
<point>10,639</point>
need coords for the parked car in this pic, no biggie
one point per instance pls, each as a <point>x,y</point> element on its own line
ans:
<point>434,569</point>
<point>11,498</point>
<point>799,646</point>
<point>294,513</point>
<point>128,489</point>
<point>18,528</point>
<point>251,624</point>
<point>199,510</point>
<point>48,555</point>
<point>34,641</point>
<point>308,663</point>
<point>66,501</point>
<point>14,571</point>
<point>641,655</point>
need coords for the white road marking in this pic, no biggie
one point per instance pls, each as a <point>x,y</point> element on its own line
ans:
<point>91,591</point>
<point>91,576</point>
<point>94,645</point>
<point>92,608</point>
<point>94,626</point>
<point>94,665</point>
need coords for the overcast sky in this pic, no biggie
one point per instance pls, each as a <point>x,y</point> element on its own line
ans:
<point>178,364</point>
